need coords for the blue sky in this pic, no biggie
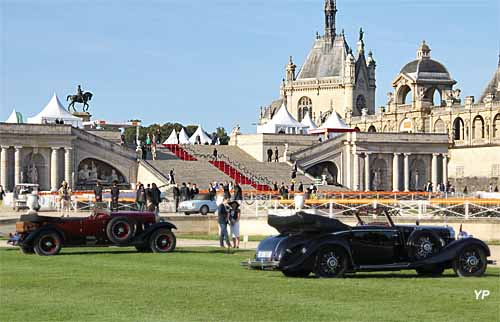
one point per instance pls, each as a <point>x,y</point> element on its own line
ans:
<point>216,62</point>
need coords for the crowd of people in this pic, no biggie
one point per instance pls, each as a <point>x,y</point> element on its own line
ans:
<point>149,146</point>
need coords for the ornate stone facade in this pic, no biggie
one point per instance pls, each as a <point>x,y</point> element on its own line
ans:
<point>412,108</point>
<point>331,79</point>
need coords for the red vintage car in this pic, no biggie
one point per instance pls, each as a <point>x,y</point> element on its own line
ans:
<point>46,235</point>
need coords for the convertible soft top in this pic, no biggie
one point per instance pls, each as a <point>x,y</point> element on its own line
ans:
<point>303,222</point>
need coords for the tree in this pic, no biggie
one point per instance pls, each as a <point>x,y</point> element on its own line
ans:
<point>222,135</point>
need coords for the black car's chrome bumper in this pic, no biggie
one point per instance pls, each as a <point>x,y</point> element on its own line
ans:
<point>261,264</point>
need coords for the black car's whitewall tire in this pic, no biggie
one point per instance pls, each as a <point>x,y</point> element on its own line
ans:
<point>120,230</point>
<point>470,262</point>
<point>47,243</point>
<point>331,261</point>
<point>162,241</point>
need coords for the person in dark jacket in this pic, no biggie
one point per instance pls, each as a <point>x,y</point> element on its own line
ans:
<point>301,187</point>
<point>269,155</point>
<point>176,195</point>
<point>184,192</point>
<point>149,198</point>
<point>275,186</point>
<point>172,176</point>
<point>98,192</point>
<point>115,195</point>
<point>156,194</point>
<point>140,197</point>
<point>238,193</point>
<point>194,190</point>
<point>144,150</point>
<point>227,194</point>
<point>223,220</point>
<point>215,154</point>
<point>276,155</point>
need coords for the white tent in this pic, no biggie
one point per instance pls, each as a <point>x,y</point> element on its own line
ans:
<point>55,111</point>
<point>307,121</point>
<point>183,137</point>
<point>202,135</point>
<point>15,117</point>
<point>282,122</point>
<point>334,124</point>
<point>172,139</point>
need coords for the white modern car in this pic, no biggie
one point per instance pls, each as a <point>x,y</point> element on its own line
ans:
<point>200,204</point>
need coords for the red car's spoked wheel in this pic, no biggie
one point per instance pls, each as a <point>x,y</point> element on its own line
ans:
<point>162,241</point>
<point>120,230</point>
<point>47,243</point>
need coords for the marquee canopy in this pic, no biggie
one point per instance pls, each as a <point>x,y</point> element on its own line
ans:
<point>307,121</point>
<point>172,138</point>
<point>282,122</point>
<point>203,136</point>
<point>183,137</point>
<point>334,124</point>
<point>15,117</point>
<point>55,111</point>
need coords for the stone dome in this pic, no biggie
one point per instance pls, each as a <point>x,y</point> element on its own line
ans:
<point>426,68</point>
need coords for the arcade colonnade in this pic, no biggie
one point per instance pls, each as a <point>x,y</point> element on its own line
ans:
<point>402,178</point>
<point>54,166</point>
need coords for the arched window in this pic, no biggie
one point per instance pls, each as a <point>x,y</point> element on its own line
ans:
<point>496,126</point>
<point>360,103</point>
<point>458,129</point>
<point>304,107</point>
<point>405,95</point>
<point>439,126</point>
<point>478,128</point>
<point>372,129</point>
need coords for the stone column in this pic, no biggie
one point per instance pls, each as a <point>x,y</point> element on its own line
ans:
<point>445,169</point>
<point>347,180</point>
<point>395,172</point>
<point>434,171</point>
<point>17,165</point>
<point>367,171</point>
<point>407,171</point>
<point>4,163</point>
<point>68,165</point>
<point>54,168</point>
<point>355,176</point>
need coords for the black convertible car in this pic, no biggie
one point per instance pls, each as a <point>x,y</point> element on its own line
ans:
<point>329,248</point>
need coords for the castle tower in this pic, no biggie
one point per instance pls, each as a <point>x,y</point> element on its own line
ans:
<point>330,14</point>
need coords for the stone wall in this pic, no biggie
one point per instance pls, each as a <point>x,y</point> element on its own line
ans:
<point>474,167</point>
<point>257,144</point>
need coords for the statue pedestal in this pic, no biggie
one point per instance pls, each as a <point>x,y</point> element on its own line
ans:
<point>85,116</point>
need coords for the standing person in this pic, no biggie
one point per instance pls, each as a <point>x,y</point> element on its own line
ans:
<point>194,190</point>
<point>172,176</point>
<point>65,194</point>
<point>269,155</point>
<point>115,195</point>
<point>149,198</point>
<point>223,219</point>
<point>292,186</point>
<point>466,191</point>
<point>235,226</point>
<point>176,196</point>
<point>301,187</point>
<point>144,151</point>
<point>184,193</point>
<point>275,186</point>
<point>238,193</point>
<point>98,192</point>
<point>276,155</point>
<point>227,194</point>
<point>122,139</point>
<point>148,141</point>
<point>153,151</point>
<point>2,194</point>
<point>140,197</point>
<point>294,174</point>
<point>156,193</point>
<point>158,136</point>
<point>215,154</point>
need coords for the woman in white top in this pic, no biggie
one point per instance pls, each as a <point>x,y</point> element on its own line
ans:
<point>234,220</point>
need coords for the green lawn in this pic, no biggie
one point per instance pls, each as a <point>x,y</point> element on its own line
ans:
<point>204,284</point>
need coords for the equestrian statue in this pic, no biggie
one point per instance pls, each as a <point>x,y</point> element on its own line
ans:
<point>80,97</point>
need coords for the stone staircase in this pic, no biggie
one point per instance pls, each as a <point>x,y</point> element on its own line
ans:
<point>269,171</point>
<point>200,172</point>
